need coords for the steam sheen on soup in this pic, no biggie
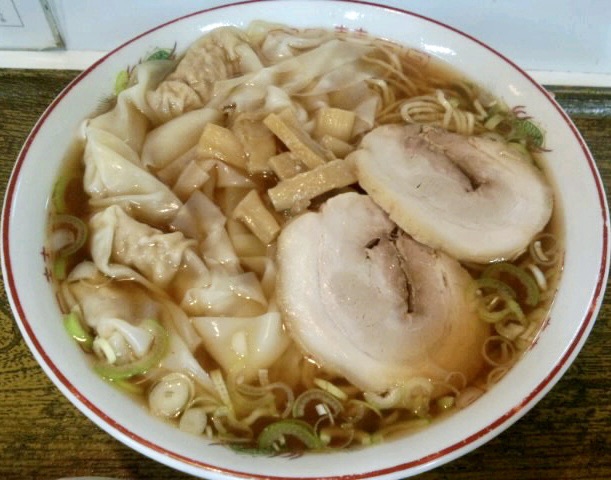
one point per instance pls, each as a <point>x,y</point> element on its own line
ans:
<point>290,240</point>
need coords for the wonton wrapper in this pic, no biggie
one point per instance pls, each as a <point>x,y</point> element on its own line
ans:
<point>174,138</point>
<point>113,176</point>
<point>102,303</point>
<point>130,118</point>
<point>124,248</point>
<point>243,344</point>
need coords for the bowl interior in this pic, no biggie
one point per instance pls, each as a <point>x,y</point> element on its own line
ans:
<point>568,164</point>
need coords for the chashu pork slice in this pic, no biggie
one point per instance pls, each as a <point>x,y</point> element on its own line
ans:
<point>473,197</point>
<point>366,301</point>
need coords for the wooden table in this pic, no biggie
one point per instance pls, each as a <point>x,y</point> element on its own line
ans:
<point>42,436</point>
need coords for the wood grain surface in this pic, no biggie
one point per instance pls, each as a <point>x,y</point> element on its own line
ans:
<point>567,435</point>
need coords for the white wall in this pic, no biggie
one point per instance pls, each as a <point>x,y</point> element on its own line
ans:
<point>562,35</point>
<point>547,36</point>
<point>23,24</point>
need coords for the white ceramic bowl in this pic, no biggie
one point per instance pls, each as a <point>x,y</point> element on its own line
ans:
<point>570,166</point>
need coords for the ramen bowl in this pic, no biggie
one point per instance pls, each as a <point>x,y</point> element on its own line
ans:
<point>568,164</point>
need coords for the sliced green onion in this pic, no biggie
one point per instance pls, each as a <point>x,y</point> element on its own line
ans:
<point>74,327</point>
<point>493,121</point>
<point>322,410</point>
<point>77,229</point>
<point>102,348</point>
<point>329,387</point>
<point>446,402</point>
<point>60,268</point>
<point>539,254</point>
<point>526,338</point>
<point>498,351</point>
<point>273,435</point>
<point>538,275</point>
<point>488,283</point>
<point>489,312</point>
<point>320,396</point>
<point>481,111</point>
<point>510,328</point>
<point>524,129</point>
<point>193,420</point>
<point>528,282</point>
<point>142,365</point>
<point>121,81</point>
<point>246,398</point>
<point>58,197</point>
<point>171,395</point>
<point>264,394</point>
<point>495,375</point>
<point>160,54</point>
<point>544,255</point>
<point>346,434</point>
<point>129,387</point>
<point>356,409</point>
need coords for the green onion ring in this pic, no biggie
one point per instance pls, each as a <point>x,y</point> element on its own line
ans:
<point>76,225</point>
<point>489,283</point>
<point>315,394</point>
<point>298,429</point>
<point>142,365</point>
<point>521,275</point>
<point>511,308</point>
<point>74,327</point>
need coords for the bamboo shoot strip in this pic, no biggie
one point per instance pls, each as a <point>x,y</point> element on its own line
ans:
<point>297,140</point>
<point>221,143</point>
<point>335,122</point>
<point>338,147</point>
<point>253,213</point>
<point>305,186</point>
<point>259,144</point>
<point>286,165</point>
